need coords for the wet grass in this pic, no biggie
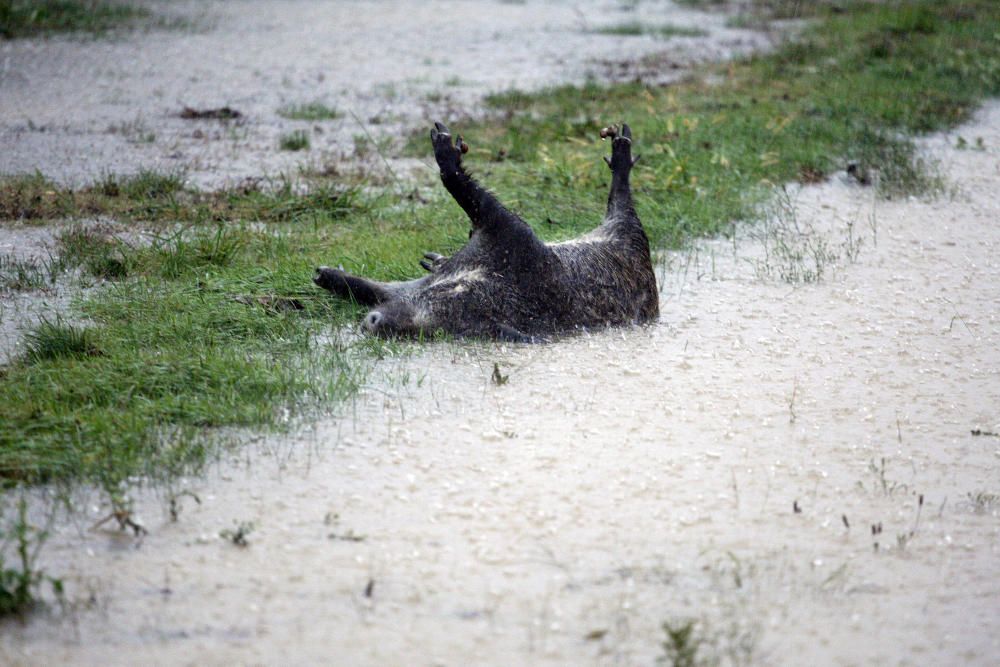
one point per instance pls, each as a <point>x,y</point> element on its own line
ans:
<point>54,340</point>
<point>17,274</point>
<point>30,18</point>
<point>771,9</point>
<point>208,318</point>
<point>681,645</point>
<point>294,141</point>
<point>163,198</point>
<point>160,364</point>
<point>690,642</point>
<point>636,29</point>
<point>199,325</point>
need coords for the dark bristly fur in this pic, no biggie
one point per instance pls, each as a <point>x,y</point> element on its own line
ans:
<point>505,282</point>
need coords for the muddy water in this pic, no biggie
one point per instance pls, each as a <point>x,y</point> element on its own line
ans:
<point>76,108</point>
<point>727,465</point>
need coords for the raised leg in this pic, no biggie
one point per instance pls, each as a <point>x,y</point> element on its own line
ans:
<point>621,163</point>
<point>363,291</point>
<point>484,210</point>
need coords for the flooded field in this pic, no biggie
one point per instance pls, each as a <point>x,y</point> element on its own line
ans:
<point>799,463</point>
<point>807,472</point>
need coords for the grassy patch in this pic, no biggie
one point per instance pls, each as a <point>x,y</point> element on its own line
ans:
<point>209,319</point>
<point>164,362</point>
<point>312,111</point>
<point>297,140</point>
<point>636,28</point>
<point>29,18</point>
<point>770,9</point>
<point>163,198</point>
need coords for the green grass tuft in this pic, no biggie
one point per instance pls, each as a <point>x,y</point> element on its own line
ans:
<point>294,141</point>
<point>635,29</point>
<point>312,111</point>
<point>33,197</point>
<point>55,340</point>
<point>27,18</point>
<point>95,249</point>
<point>682,645</point>
<point>152,185</point>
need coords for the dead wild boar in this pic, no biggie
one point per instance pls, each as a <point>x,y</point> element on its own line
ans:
<point>506,283</point>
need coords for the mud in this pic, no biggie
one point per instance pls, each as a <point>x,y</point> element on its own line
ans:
<point>791,465</point>
<point>76,108</point>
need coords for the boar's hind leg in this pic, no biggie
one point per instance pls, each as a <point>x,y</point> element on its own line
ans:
<point>364,291</point>
<point>621,163</point>
<point>483,209</point>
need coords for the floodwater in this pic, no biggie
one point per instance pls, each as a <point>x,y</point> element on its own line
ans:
<point>76,108</point>
<point>792,466</point>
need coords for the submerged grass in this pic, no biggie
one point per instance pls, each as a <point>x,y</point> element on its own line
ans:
<point>208,318</point>
<point>21,580</point>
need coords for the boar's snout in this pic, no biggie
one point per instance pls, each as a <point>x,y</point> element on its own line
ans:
<point>373,320</point>
<point>391,319</point>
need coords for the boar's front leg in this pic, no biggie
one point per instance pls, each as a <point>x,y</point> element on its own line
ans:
<point>484,210</point>
<point>363,291</point>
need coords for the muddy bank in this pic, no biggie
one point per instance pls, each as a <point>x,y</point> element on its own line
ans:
<point>75,108</point>
<point>791,465</point>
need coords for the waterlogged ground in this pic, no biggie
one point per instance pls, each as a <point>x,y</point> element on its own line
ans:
<point>792,466</point>
<point>77,108</point>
